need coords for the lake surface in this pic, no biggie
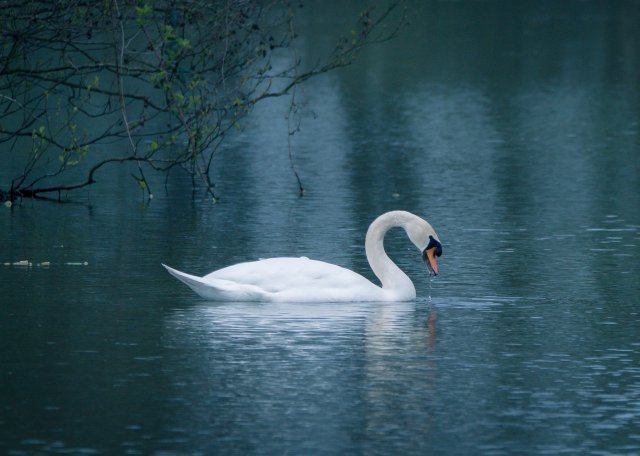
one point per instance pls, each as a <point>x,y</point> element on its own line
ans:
<point>511,126</point>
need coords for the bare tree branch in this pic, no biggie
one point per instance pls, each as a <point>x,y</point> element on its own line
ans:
<point>169,78</point>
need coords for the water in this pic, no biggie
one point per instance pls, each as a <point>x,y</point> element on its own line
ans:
<point>513,130</point>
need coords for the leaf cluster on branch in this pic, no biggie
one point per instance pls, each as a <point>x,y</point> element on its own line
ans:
<point>157,82</point>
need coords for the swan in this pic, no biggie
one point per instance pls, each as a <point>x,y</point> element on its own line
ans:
<point>304,280</point>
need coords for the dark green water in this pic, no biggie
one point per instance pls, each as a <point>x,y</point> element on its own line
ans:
<point>513,127</point>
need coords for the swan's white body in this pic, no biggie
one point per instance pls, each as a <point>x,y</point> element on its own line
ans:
<point>304,280</point>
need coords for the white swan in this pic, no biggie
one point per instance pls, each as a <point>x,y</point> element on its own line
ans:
<point>305,280</point>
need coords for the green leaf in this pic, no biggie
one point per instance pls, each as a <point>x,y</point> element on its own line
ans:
<point>183,43</point>
<point>143,10</point>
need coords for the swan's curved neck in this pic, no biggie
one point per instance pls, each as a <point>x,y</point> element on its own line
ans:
<point>389,274</point>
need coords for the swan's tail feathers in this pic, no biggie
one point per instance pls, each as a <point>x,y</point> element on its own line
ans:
<point>194,282</point>
<point>216,289</point>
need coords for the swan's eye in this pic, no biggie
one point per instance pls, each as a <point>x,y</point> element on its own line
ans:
<point>433,243</point>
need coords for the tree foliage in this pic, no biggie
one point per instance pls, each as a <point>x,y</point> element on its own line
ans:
<point>157,82</point>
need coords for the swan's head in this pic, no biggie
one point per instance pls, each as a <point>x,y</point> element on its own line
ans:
<point>425,238</point>
<point>429,254</point>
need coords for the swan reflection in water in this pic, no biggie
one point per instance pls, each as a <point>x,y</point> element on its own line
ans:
<point>336,366</point>
<point>432,332</point>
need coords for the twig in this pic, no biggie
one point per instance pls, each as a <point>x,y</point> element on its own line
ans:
<point>119,50</point>
<point>293,108</point>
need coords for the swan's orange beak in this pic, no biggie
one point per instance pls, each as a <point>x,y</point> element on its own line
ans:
<point>429,257</point>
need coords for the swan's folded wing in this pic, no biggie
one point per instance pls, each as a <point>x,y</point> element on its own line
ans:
<point>288,279</point>
<point>218,289</point>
